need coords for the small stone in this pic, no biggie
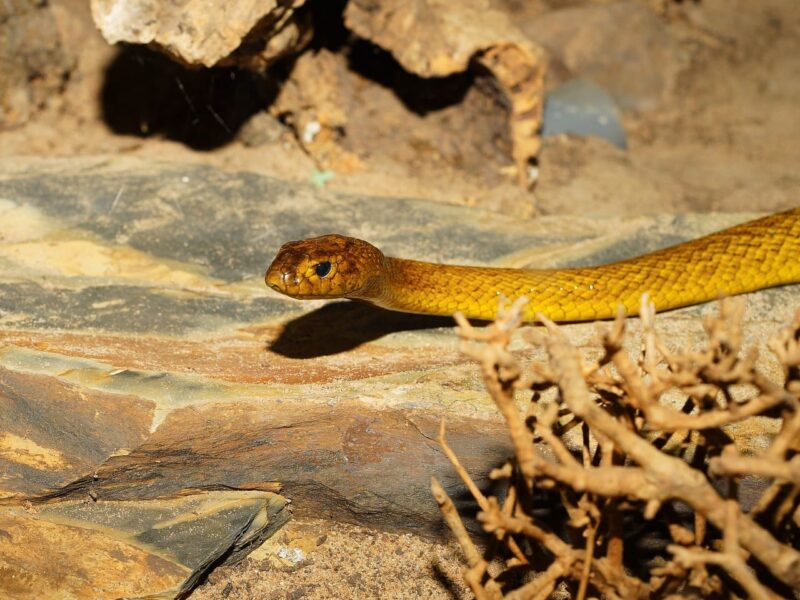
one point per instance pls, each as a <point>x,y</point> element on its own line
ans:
<point>583,108</point>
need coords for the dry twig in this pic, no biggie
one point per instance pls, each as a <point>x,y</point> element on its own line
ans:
<point>620,471</point>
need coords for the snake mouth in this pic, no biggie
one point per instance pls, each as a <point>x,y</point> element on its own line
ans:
<point>278,280</point>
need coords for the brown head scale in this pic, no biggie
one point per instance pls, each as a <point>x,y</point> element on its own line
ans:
<point>329,266</point>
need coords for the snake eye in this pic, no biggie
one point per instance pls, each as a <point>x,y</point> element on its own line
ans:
<point>322,269</point>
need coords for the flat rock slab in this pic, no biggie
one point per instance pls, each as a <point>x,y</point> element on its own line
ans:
<point>343,462</point>
<point>143,357</point>
<point>153,548</point>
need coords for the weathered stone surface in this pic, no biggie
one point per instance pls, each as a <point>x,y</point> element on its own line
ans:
<point>133,292</point>
<point>33,62</point>
<point>198,31</point>
<point>639,69</point>
<point>347,462</point>
<point>52,432</point>
<point>433,38</point>
<point>151,548</point>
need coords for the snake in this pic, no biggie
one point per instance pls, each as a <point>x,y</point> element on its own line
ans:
<point>755,255</point>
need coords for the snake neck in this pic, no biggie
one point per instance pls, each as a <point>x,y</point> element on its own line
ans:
<point>749,257</point>
<point>432,288</point>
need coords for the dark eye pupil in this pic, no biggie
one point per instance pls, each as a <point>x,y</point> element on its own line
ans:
<point>323,268</point>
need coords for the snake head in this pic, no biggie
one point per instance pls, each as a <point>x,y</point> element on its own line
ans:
<point>329,266</point>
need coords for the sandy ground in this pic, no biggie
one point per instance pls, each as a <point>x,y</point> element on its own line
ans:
<point>726,141</point>
<point>311,559</point>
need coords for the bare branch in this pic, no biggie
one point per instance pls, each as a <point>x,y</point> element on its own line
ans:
<point>625,465</point>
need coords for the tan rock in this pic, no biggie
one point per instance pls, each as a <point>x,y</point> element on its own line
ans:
<point>92,550</point>
<point>433,38</point>
<point>198,32</point>
<point>429,39</point>
<point>33,61</point>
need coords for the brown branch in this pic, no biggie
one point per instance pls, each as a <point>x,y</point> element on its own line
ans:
<point>734,464</point>
<point>495,359</point>
<point>455,523</point>
<point>477,565</point>
<point>543,585</point>
<point>493,521</point>
<point>666,418</point>
<point>614,400</point>
<point>670,477</point>
<point>691,557</point>
<point>631,482</point>
<point>587,563</point>
<point>460,470</point>
<point>788,438</point>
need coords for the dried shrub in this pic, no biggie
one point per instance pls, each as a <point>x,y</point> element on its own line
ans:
<point>627,469</point>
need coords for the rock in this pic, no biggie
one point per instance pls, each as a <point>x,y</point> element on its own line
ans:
<point>204,33</point>
<point>639,69</point>
<point>140,284</point>
<point>433,38</point>
<point>85,549</point>
<point>334,462</point>
<point>33,63</point>
<point>262,129</point>
<point>582,108</point>
<point>430,39</point>
<point>52,432</point>
<point>313,101</point>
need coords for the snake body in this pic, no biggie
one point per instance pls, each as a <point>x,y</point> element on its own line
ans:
<point>752,256</point>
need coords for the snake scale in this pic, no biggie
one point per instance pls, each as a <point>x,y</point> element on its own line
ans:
<point>752,256</point>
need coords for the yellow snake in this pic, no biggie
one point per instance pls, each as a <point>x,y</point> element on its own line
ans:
<point>751,256</point>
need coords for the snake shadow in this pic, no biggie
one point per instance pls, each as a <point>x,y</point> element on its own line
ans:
<point>341,326</point>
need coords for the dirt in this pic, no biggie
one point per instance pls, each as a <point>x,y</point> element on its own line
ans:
<point>311,560</point>
<point>727,140</point>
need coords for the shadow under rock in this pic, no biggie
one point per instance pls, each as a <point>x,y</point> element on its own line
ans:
<point>342,326</point>
<point>145,93</point>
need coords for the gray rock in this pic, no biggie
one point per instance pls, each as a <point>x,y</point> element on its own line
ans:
<point>583,108</point>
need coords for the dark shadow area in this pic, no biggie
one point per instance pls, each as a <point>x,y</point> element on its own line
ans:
<point>646,541</point>
<point>420,95</point>
<point>450,586</point>
<point>327,19</point>
<point>342,326</point>
<point>146,93</point>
